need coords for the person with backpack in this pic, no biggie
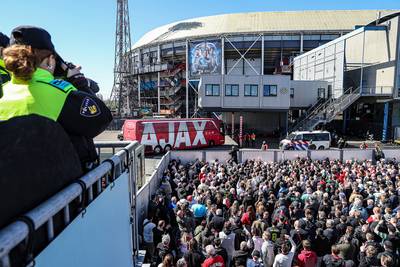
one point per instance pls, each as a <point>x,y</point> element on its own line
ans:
<point>307,257</point>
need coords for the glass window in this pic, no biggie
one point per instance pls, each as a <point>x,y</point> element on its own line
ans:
<point>250,90</point>
<point>270,90</point>
<point>231,90</point>
<point>212,89</point>
<point>291,92</point>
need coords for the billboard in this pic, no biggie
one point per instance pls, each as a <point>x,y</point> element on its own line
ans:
<point>204,58</point>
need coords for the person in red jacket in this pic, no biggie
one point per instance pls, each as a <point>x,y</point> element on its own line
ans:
<point>213,260</point>
<point>307,257</point>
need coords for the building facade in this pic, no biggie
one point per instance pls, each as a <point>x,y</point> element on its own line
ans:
<point>362,69</point>
<point>174,63</point>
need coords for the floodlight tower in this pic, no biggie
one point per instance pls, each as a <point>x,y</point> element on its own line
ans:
<point>123,86</point>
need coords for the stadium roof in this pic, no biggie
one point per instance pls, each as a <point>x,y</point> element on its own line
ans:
<point>258,22</point>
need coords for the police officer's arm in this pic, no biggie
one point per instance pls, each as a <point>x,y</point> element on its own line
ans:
<point>84,114</point>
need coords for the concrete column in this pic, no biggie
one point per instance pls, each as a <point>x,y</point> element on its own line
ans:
<point>223,55</point>
<point>158,54</point>
<point>139,89</point>
<point>233,125</point>
<point>262,55</point>
<point>301,43</point>
<point>158,92</point>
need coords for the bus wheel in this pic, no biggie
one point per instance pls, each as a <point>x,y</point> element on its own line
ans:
<point>211,143</point>
<point>312,147</point>
<point>167,148</point>
<point>290,148</point>
<point>321,148</point>
<point>157,150</point>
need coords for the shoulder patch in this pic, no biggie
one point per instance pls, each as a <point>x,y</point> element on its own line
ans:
<point>61,84</point>
<point>89,108</point>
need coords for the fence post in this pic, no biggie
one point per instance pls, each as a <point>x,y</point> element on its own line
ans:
<point>341,155</point>
<point>309,153</point>
<point>240,156</point>
<point>275,155</point>
<point>203,156</point>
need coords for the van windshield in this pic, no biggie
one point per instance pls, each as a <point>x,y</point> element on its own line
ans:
<point>291,136</point>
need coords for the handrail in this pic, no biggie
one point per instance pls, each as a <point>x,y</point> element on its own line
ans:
<point>319,113</point>
<point>15,233</point>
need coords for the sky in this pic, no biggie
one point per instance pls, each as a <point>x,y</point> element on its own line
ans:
<point>83,31</point>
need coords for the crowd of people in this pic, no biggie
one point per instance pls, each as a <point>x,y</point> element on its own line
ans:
<point>290,213</point>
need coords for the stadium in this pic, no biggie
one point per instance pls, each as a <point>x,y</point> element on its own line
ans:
<point>170,61</point>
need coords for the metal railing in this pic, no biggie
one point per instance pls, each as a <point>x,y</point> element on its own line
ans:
<point>327,111</point>
<point>94,184</point>
<point>376,91</point>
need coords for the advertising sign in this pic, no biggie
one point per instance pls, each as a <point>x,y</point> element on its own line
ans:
<point>205,58</point>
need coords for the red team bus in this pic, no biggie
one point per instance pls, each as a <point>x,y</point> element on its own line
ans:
<point>160,135</point>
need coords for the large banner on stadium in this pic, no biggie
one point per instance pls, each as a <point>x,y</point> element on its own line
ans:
<point>205,58</point>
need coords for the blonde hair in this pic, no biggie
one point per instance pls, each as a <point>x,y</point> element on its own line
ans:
<point>23,60</point>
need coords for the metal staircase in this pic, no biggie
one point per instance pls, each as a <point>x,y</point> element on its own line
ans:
<point>325,112</point>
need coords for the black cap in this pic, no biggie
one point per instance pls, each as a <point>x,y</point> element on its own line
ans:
<point>34,36</point>
<point>4,40</point>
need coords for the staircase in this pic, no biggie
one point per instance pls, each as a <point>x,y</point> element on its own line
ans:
<point>326,111</point>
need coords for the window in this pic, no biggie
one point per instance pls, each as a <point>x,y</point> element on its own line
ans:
<point>231,89</point>
<point>270,90</point>
<point>321,92</point>
<point>250,90</point>
<point>212,89</point>
<point>291,92</point>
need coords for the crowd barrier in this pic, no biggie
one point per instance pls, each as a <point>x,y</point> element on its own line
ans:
<point>274,155</point>
<point>145,193</point>
<point>104,231</point>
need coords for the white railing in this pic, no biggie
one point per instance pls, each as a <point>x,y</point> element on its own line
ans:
<point>104,215</point>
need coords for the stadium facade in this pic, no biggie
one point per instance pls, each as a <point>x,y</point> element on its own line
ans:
<point>180,66</point>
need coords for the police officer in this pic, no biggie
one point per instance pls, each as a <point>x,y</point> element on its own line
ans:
<point>4,75</point>
<point>31,58</point>
<point>83,145</point>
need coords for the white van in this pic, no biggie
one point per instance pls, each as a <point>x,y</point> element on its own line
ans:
<point>306,140</point>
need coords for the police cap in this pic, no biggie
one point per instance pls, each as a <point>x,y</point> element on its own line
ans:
<point>4,40</point>
<point>34,36</point>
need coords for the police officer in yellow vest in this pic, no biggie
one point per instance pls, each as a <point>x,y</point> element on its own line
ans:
<point>31,59</point>
<point>4,75</point>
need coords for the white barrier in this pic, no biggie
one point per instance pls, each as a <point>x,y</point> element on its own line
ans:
<point>86,241</point>
<point>186,155</point>
<point>279,155</point>
<point>392,153</point>
<point>143,197</point>
<point>290,154</point>
<point>358,154</point>
<point>323,154</point>
<point>222,156</point>
<point>268,156</point>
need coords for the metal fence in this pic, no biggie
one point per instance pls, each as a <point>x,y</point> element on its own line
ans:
<point>88,187</point>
